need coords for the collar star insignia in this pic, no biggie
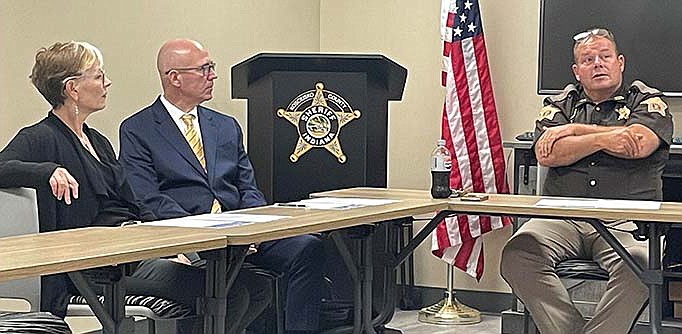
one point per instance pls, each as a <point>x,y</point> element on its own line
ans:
<point>319,123</point>
<point>548,112</point>
<point>623,113</point>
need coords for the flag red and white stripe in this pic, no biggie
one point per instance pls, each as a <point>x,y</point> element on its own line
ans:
<point>471,132</point>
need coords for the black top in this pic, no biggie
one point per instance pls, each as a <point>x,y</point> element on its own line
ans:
<point>105,197</point>
<point>113,207</point>
<point>600,174</point>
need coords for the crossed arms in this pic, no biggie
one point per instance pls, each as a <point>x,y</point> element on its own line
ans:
<point>565,144</point>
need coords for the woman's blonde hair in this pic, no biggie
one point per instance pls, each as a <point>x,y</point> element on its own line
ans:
<point>60,62</point>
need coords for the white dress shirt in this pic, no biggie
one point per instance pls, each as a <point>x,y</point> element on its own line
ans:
<point>176,115</point>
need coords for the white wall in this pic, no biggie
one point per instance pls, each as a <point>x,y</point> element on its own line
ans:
<point>129,33</point>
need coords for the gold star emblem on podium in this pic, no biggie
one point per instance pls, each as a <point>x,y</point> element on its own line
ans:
<point>318,124</point>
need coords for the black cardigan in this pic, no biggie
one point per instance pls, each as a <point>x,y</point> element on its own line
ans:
<point>30,159</point>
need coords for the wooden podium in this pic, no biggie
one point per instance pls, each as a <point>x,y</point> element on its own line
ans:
<point>317,121</point>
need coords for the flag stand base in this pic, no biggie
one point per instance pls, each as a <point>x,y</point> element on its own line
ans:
<point>449,311</point>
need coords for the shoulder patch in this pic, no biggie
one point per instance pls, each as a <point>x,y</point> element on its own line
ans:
<point>642,87</point>
<point>655,104</point>
<point>548,112</point>
<point>564,93</point>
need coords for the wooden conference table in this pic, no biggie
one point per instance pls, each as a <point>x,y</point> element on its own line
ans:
<point>69,251</point>
<point>45,254</point>
<point>651,226</point>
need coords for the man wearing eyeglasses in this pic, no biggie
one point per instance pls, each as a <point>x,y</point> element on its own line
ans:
<point>598,139</point>
<point>185,159</point>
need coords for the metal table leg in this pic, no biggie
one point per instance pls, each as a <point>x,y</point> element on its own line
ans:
<point>347,258</point>
<point>655,288</point>
<point>652,277</point>
<point>367,274</point>
<point>215,294</point>
<point>390,292</point>
<point>361,271</point>
<point>222,268</point>
<point>419,238</point>
<point>112,314</point>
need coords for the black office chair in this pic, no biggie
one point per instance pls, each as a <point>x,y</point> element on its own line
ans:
<point>162,315</point>
<point>576,269</point>
<point>32,322</point>
<point>272,319</point>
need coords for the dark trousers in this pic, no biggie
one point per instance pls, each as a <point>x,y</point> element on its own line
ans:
<point>302,260</point>
<point>673,248</point>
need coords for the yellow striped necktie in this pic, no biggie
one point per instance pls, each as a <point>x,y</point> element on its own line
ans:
<point>195,143</point>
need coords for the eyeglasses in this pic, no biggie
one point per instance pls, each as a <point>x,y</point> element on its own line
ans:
<point>601,32</point>
<point>205,69</point>
<point>100,76</point>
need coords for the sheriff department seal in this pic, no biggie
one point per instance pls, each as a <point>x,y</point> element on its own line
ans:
<point>319,122</point>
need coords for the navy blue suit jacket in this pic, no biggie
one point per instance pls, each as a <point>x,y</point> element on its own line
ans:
<point>166,175</point>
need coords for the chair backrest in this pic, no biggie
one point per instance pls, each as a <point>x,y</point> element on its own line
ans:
<point>19,215</point>
<point>19,212</point>
<point>540,179</point>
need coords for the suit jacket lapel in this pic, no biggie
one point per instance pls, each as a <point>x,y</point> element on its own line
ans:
<point>167,129</point>
<point>209,138</point>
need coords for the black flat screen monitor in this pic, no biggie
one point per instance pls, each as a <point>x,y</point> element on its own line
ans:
<point>648,34</point>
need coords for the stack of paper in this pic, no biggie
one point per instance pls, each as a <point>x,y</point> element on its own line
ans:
<point>597,203</point>
<point>220,220</point>
<point>336,203</point>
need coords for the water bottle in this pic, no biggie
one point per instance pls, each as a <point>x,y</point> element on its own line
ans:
<point>441,162</point>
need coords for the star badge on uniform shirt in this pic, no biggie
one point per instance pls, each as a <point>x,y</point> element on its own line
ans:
<point>623,113</point>
<point>319,123</point>
<point>548,112</point>
<point>655,104</point>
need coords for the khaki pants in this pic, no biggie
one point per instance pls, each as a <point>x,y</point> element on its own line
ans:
<point>528,261</point>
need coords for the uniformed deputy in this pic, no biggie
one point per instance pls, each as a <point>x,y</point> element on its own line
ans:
<point>598,140</point>
<point>602,174</point>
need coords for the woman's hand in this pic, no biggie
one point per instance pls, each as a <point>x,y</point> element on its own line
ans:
<point>63,185</point>
<point>253,248</point>
<point>182,259</point>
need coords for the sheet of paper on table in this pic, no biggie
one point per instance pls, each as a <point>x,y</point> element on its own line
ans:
<point>220,220</point>
<point>336,203</point>
<point>597,203</point>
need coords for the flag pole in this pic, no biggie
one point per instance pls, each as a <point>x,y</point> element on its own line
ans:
<point>449,311</point>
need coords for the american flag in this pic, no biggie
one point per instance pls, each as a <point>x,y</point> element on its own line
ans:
<point>471,133</point>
